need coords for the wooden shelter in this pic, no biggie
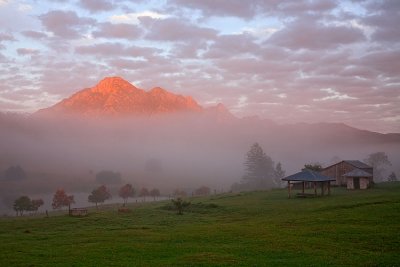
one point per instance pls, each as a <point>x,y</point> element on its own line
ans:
<point>308,176</point>
<point>338,170</point>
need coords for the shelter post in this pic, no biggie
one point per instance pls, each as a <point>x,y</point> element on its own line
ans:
<point>288,186</point>
<point>303,186</point>
<point>315,188</point>
<point>322,188</point>
<point>329,187</point>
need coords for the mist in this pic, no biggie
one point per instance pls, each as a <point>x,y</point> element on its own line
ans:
<point>188,150</point>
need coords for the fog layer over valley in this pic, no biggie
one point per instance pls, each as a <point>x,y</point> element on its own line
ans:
<point>167,152</point>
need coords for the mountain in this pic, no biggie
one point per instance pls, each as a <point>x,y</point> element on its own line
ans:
<point>116,96</point>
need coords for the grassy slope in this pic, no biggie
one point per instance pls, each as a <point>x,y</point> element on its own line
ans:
<point>359,228</point>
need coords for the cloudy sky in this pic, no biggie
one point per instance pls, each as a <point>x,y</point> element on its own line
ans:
<point>289,61</point>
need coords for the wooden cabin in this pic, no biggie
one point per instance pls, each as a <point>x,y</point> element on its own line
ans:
<point>353,174</point>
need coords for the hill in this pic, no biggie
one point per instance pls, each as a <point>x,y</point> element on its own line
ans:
<point>348,228</point>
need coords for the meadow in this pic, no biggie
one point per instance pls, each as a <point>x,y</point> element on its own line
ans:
<point>264,228</point>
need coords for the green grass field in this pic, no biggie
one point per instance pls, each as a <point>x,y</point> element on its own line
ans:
<point>348,228</point>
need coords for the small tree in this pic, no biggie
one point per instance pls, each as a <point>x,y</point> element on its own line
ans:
<point>15,173</point>
<point>155,193</point>
<point>179,193</point>
<point>378,161</point>
<point>278,174</point>
<point>392,177</point>
<point>126,192</point>
<point>180,204</point>
<point>36,203</point>
<point>99,195</point>
<point>22,204</point>
<point>61,199</point>
<point>313,167</point>
<point>202,191</point>
<point>144,192</point>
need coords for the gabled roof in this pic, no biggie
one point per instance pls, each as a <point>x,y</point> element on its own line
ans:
<point>308,176</point>
<point>357,173</point>
<point>358,164</point>
<point>355,163</point>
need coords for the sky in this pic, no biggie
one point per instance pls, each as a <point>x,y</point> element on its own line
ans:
<point>288,61</point>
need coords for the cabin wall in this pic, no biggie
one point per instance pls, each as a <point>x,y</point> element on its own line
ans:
<point>336,171</point>
<point>364,182</point>
<point>349,182</point>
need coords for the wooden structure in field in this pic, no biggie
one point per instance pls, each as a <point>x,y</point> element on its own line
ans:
<point>78,212</point>
<point>308,176</point>
<point>353,174</point>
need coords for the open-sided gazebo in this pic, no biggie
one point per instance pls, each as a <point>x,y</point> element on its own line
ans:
<point>308,176</point>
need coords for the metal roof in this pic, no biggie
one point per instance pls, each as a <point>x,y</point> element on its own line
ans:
<point>358,164</point>
<point>355,163</point>
<point>357,173</point>
<point>308,176</point>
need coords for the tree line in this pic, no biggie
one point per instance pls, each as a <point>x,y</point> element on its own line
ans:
<point>99,195</point>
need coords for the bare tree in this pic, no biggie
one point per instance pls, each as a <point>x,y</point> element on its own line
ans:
<point>155,193</point>
<point>144,192</point>
<point>378,160</point>
<point>392,177</point>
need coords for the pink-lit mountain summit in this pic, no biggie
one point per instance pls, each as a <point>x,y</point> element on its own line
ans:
<point>116,96</point>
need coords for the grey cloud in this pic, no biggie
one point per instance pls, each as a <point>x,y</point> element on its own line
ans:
<point>123,31</point>
<point>385,62</point>
<point>104,49</point>
<point>6,37</point>
<point>310,35</point>
<point>116,49</point>
<point>189,49</point>
<point>238,8</point>
<point>65,24</point>
<point>127,63</point>
<point>97,5</point>
<point>306,7</point>
<point>27,51</point>
<point>232,45</point>
<point>386,26</point>
<point>34,34</point>
<point>173,29</point>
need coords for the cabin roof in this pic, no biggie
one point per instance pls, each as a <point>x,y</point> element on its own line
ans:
<point>358,164</point>
<point>308,176</point>
<point>355,163</point>
<point>357,173</point>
